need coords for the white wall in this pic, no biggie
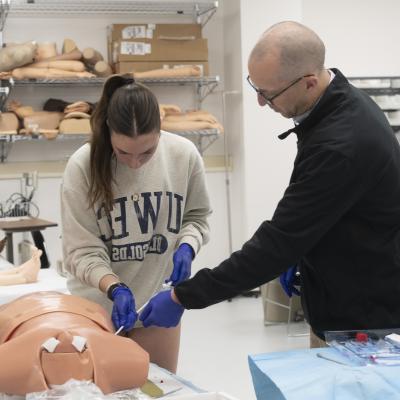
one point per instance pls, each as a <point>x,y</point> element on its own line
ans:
<point>233,74</point>
<point>361,37</point>
<point>268,160</point>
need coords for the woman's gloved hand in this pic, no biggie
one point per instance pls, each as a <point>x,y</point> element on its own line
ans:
<point>289,280</point>
<point>182,260</point>
<point>162,311</point>
<point>123,312</point>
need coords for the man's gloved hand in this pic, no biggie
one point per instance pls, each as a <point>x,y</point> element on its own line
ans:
<point>182,260</point>
<point>288,281</point>
<point>123,312</point>
<point>162,311</point>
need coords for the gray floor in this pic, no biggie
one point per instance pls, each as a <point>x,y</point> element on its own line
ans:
<point>217,340</point>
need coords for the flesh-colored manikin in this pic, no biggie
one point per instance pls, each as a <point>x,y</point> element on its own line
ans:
<point>25,273</point>
<point>47,338</point>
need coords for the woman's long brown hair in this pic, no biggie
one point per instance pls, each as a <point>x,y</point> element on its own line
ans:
<point>127,108</point>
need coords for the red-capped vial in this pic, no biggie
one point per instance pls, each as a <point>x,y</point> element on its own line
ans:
<point>361,337</point>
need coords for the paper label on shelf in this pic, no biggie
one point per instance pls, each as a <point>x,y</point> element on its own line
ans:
<point>134,32</point>
<point>149,33</point>
<point>135,48</point>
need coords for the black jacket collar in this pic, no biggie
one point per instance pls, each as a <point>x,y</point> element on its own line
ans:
<point>328,102</point>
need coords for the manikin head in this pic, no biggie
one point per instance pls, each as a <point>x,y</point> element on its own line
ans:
<point>286,68</point>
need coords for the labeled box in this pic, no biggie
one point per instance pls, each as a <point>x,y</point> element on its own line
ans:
<point>160,50</point>
<point>153,31</point>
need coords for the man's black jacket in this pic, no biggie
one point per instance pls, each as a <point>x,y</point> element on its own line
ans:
<point>339,219</point>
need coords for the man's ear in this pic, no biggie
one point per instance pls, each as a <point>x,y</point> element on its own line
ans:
<point>311,82</point>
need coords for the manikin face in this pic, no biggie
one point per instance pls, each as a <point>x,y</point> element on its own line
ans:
<point>136,151</point>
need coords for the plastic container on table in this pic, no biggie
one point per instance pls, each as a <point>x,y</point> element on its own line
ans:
<point>367,347</point>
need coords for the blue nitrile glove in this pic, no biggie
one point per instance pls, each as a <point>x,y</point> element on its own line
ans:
<point>182,260</point>
<point>123,312</point>
<point>288,281</point>
<point>162,311</point>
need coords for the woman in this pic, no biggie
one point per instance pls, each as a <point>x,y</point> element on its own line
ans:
<point>134,212</point>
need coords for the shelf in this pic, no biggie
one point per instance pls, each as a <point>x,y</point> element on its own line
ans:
<point>381,91</point>
<point>380,85</point>
<point>202,139</point>
<point>396,128</point>
<point>376,85</point>
<point>60,82</point>
<point>62,137</point>
<point>205,85</point>
<point>201,11</point>
<point>206,80</point>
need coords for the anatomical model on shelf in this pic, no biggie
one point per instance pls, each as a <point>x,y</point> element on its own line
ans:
<point>25,273</point>
<point>47,338</point>
<point>71,119</point>
<point>175,120</point>
<point>34,122</point>
<point>16,55</point>
<point>33,60</point>
<point>178,72</point>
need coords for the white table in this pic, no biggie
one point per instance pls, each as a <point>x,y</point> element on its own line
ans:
<point>48,280</point>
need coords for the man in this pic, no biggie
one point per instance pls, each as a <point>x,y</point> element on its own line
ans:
<point>339,218</point>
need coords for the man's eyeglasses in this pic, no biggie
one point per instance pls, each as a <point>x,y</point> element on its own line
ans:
<point>270,99</point>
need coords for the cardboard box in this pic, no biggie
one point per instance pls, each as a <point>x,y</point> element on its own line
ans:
<point>141,66</point>
<point>153,31</point>
<point>160,50</point>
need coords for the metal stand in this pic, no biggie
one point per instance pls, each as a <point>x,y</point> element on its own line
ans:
<point>265,293</point>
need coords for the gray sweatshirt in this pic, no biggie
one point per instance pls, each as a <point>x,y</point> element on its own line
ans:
<point>156,208</point>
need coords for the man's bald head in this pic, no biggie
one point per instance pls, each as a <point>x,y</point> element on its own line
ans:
<point>297,49</point>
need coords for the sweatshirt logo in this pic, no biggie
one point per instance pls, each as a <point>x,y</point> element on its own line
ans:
<point>145,210</point>
<point>158,244</point>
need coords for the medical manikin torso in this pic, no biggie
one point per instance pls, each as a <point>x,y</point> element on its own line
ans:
<point>48,338</point>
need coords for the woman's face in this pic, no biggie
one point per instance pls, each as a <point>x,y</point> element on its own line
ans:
<point>136,151</point>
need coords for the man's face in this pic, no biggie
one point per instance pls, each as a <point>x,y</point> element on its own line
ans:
<point>284,97</point>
